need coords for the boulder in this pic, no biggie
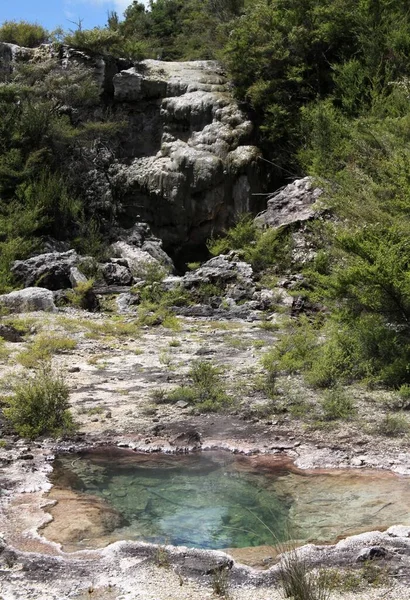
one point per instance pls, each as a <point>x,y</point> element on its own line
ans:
<point>115,273</point>
<point>10,334</point>
<point>371,553</point>
<point>295,203</point>
<point>234,276</point>
<point>29,299</point>
<point>76,277</point>
<point>51,270</point>
<point>138,260</point>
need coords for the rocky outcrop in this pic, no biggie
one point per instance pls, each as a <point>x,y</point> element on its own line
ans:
<point>295,203</point>
<point>196,165</point>
<point>185,162</point>
<point>52,270</point>
<point>30,299</point>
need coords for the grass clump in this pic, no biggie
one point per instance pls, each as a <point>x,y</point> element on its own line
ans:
<point>38,404</point>
<point>43,348</point>
<point>300,583</point>
<point>205,392</point>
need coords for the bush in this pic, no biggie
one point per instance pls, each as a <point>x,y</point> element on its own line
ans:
<point>206,391</point>
<point>336,405</point>
<point>294,351</point>
<point>393,425</point>
<point>39,405</point>
<point>23,33</point>
<point>98,40</point>
<point>262,249</point>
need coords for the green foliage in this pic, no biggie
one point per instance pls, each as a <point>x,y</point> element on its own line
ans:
<point>42,168</point>
<point>23,33</point>
<point>393,426</point>
<point>205,392</point>
<point>262,249</point>
<point>79,295</point>
<point>43,348</point>
<point>98,40</point>
<point>295,349</point>
<point>39,404</point>
<point>238,237</point>
<point>337,405</point>
<point>300,583</point>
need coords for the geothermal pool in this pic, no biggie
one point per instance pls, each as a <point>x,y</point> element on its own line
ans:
<point>217,500</point>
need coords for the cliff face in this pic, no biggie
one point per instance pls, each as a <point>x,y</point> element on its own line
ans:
<point>192,163</point>
<point>185,162</point>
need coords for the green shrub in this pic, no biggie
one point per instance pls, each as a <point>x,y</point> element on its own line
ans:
<point>393,425</point>
<point>262,249</point>
<point>79,296</point>
<point>23,33</point>
<point>184,393</point>
<point>205,392</point>
<point>99,40</point>
<point>39,404</point>
<point>238,237</point>
<point>295,349</point>
<point>337,405</point>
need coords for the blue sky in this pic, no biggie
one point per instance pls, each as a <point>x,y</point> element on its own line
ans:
<point>52,13</point>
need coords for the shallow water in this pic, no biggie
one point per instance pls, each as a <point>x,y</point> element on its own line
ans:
<point>219,500</point>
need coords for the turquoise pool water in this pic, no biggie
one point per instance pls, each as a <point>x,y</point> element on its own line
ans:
<point>219,500</point>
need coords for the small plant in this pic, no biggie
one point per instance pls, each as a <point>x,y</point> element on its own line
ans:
<point>80,295</point>
<point>300,583</point>
<point>161,557</point>
<point>183,393</point>
<point>336,405</point>
<point>404,396</point>
<point>192,266</point>
<point>43,348</point>
<point>220,581</point>
<point>393,425</point>
<point>38,404</point>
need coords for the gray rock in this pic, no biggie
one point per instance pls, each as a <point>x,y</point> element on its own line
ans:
<point>233,275</point>
<point>51,270</point>
<point>126,300</point>
<point>292,204</point>
<point>371,553</point>
<point>138,260</point>
<point>115,273</point>
<point>76,277</point>
<point>181,404</point>
<point>399,531</point>
<point>154,249</point>
<point>29,299</point>
<point>10,334</point>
